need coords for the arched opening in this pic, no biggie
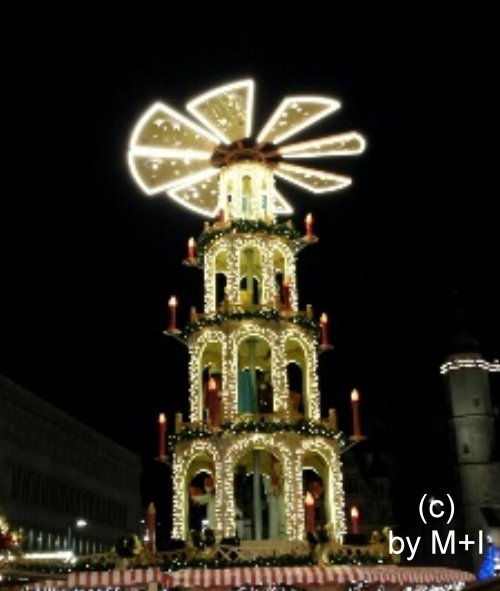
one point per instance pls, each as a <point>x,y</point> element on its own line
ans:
<point>314,486</point>
<point>258,495</point>
<point>279,278</point>
<point>250,277</point>
<point>246,195</point>
<point>255,393</point>
<point>200,503</point>
<point>296,373</point>
<point>295,385</point>
<point>249,298</point>
<point>211,384</point>
<point>220,278</point>
<point>220,289</point>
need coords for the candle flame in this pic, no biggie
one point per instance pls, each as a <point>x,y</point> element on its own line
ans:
<point>162,418</point>
<point>191,242</point>
<point>323,319</point>
<point>309,219</point>
<point>286,282</point>
<point>172,302</point>
<point>354,512</point>
<point>309,500</point>
<point>355,395</point>
<point>212,384</point>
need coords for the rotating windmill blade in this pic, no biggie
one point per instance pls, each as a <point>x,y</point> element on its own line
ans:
<point>216,164</point>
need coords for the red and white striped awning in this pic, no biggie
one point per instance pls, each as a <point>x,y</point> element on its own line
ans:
<point>303,576</point>
<point>118,578</point>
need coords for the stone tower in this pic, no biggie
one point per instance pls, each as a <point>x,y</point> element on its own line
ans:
<point>473,431</point>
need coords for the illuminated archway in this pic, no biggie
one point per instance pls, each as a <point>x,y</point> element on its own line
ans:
<point>320,458</point>
<point>220,282</point>
<point>254,371</point>
<point>193,459</point>
<point>211,383</point>
<point>273,461</point>
<point>250,279</point>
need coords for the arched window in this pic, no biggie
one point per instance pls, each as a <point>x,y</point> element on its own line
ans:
<point>250,277</point>
<point>314,485</point>
<point>220,277</point>
<point>296,372</point>
<point>254,376</point>
<point>258,491</point>
<point>295,388</point>
<point>279,277</point>
<point>211,383</point>
<point>201,494</point>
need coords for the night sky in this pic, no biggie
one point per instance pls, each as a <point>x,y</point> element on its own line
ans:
<point>88,262</point>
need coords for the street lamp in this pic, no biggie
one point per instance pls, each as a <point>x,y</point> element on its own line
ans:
<point>79,523</point>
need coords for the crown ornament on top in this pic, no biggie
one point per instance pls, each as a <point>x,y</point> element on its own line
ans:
<point>218,164</point>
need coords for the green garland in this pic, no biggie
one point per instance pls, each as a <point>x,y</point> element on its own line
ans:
<point>246,227</point>
<point>168,564</point>
<point>223,562</point>
<point>218,561</point>
<point>220,317</point>
<point>175,564</point>
<point>304,427</point>
<point>188,434</point>
<point>357,557</point>
<point>39,566</point>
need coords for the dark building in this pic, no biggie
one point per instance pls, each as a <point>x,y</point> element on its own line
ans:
<point>473,430</point>
<point>55,471</point>
<point>367,487</point>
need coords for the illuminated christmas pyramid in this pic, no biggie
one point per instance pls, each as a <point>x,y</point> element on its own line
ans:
<point>255,460</point>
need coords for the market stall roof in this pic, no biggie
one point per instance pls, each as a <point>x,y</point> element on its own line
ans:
<point>301,576</point>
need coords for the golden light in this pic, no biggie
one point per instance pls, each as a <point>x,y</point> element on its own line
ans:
<point>316,181</point>
<point>355,395</point>
<point>294,114</point>
<point>309,499</point>
<point>226,110</point>
<point>217,167</point>
<point>170,153</point>
<point>345,144</point>
<point>309,225</point>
